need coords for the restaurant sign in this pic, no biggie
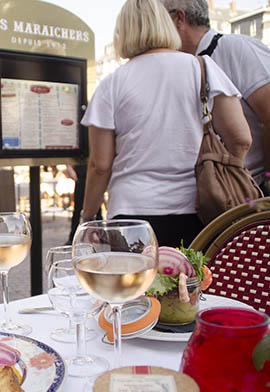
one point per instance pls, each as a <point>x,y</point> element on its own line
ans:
<point>41,27</point>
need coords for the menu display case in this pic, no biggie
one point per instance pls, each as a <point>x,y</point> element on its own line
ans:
<point>42,103</point>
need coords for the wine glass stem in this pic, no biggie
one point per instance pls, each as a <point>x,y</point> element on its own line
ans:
<point>117,332</point>
<point>4,279</point>
<point>80,340</point>
<point>70,324</point>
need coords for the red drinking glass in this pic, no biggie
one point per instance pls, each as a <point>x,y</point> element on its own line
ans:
<point>218,356</point>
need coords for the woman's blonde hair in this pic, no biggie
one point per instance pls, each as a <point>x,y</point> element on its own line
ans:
<point>143,25</point>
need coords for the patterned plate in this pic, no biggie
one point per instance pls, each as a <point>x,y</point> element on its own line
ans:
<point>40,366</point>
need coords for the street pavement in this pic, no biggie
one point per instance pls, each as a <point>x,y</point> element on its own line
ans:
<point>55,231</point>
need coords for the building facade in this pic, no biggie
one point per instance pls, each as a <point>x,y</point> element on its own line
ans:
<point>255,24</point>
<point>107,63</point>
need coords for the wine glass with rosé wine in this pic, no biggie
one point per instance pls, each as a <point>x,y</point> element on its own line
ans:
<point>224,341</point>
<point>15,243</point>
<point>116,261</point>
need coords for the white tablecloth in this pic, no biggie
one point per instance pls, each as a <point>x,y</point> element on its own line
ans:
<point>136,351</point>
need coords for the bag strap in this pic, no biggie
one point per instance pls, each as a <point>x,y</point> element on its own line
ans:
<point>208,129</point>
<point>212,46</point>
<point>203,78</point>
<point>224,159</point>
<point>206,114</point>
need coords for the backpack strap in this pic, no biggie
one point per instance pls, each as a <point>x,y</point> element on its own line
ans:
<point>212,46</point>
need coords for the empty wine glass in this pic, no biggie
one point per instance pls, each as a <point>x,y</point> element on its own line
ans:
<point>70,299</point>
<point>68,334</point>
<point>116,261</point>
<point>15,242</point>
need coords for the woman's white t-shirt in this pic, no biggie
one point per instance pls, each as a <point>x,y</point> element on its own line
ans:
<point>153,105</point>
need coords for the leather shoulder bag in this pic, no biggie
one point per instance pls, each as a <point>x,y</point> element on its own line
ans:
<point>222,181</point>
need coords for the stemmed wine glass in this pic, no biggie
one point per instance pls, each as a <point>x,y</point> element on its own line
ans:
<point>118,263</point>
<point>69,298</point>
<point>15,242</point>
<point>67,334</point>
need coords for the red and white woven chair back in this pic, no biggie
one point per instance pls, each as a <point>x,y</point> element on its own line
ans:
<point>241,266</point>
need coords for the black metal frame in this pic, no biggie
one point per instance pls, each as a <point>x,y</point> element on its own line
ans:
<point>28,66</point>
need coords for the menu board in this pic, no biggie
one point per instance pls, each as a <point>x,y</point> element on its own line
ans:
<point>39,115</point>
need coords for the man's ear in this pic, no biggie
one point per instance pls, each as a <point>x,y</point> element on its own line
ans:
<point>180,16</point>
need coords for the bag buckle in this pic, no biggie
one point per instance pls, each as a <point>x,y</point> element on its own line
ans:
<point>206,115</point>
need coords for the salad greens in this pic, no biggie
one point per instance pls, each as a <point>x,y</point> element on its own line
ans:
<point>261,353</point>
<point>197,259</point>
<point>162,283</point>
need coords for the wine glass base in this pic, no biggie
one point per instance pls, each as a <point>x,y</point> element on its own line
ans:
<point>86,366</point>
<point>68,335</point>
<point>88,386</point>
<point>18,329</point>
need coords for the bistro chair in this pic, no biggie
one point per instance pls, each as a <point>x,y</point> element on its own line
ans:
<point>238,246</point>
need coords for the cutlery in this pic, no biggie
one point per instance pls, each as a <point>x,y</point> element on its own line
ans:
<point>49,308</point>
<point>35,310</point>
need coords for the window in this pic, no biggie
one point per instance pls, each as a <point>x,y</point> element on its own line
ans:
<point>237,29</point>
<point>253,26</point>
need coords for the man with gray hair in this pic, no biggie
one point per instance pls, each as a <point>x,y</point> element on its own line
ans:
<point>245,60</point>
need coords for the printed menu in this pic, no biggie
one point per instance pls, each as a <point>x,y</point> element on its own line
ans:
<point>39,115</point>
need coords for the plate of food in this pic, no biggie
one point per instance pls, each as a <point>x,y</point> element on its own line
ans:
<point>28,365</point>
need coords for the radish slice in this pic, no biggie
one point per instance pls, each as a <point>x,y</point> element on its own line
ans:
<point>173,262</point>
<point>150,251</point>
<point>8,355</point>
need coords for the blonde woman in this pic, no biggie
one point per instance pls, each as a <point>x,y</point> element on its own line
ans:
<point>145,126</point>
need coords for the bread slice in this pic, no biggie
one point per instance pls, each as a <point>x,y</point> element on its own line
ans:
<point>9,381</point>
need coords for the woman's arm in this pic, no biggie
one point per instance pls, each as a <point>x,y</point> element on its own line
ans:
<point>230,123</point>
<point>102,152</point>
<point>260,103</point>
